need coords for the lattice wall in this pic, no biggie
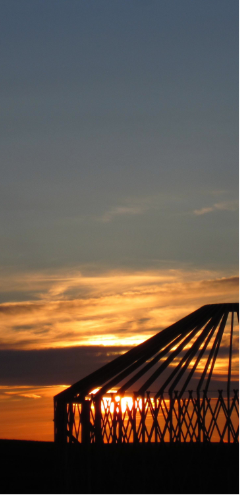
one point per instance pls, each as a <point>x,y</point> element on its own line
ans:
<point>167,419</point>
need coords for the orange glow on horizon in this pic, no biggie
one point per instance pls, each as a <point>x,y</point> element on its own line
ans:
<point>27,412</point>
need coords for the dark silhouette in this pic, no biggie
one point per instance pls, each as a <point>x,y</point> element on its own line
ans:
<point>48,467</point>
<point>184,355</point>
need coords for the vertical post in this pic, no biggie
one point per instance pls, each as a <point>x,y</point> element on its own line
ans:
<point>98,420</point>
<point>70,421</point>
<point>134,418</point>
<point>156,418</point>
<point>114,422</point>
<point>203,415</point>
<point>229,378</point>
<point>119,420</point>
<point>170,418</point>
<point>161,406</point>
<point>85,420</point>
<point>221,400</point>
<point>148,409</point>
<point>176,398</point>
<point>60,421</point>
<point>235,433</point>
<point>143,419</point>
<point>199,419</point>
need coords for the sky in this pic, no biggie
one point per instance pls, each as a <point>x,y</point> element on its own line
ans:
<point>119,183</point>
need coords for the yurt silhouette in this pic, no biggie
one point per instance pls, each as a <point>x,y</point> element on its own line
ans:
<point>181,385</point>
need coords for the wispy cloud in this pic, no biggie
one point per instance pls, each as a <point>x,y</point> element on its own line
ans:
<point>225,205</point>
<point>119,211</point>
<point>136,206</point>
<point>115,308</point>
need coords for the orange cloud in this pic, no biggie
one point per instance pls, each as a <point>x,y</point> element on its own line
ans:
<point>115,308</point>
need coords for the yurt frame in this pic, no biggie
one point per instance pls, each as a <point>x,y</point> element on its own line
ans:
<point>115,404</point>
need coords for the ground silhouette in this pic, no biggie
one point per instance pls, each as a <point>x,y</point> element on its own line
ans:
<point>44,467</point>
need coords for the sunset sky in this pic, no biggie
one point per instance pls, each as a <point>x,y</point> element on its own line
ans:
<point>119,184</point>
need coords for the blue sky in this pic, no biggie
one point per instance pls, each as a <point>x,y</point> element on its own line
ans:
<point>119,134</point>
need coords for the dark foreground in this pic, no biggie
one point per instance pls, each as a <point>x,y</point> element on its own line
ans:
<point>42,467</point>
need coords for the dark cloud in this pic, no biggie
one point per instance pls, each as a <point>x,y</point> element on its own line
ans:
<point>19,328</point>
<point>14,309</point>
<point>18,296</point>
<point>68,365</point>
<point>225,282</point>
<point>53,366</point>
<point>141,321</point>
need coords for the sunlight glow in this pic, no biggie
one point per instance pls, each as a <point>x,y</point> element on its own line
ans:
<point>94,391</point>
<point>120,403</point>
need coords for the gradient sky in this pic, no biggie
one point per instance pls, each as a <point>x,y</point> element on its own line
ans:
<point>119,176</point>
